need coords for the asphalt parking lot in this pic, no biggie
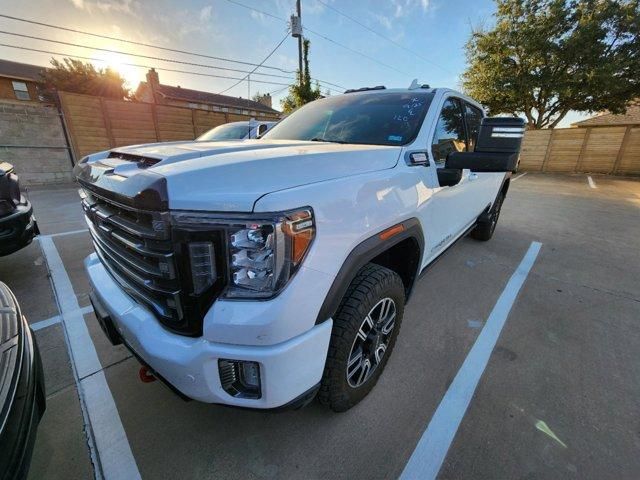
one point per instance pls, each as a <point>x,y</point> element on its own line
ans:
<point>559,397</point>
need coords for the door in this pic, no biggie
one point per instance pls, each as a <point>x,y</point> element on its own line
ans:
<point>451,210</point>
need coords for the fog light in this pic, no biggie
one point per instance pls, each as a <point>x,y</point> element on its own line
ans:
<point>240,378</point>
<point>250,374</point>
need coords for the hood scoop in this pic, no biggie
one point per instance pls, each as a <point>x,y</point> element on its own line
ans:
<point>140,160</point>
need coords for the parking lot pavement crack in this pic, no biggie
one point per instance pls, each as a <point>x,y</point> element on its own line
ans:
<point>589,287</point>
<point>106,367</point>
<point>542,276</point>
<point>57,391</point>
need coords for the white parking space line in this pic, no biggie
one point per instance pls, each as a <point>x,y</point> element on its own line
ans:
<point>592,184</point>
<point>56,319</point>
<point>70,232</point>
<point>45,323</point>
<point>519,177</point>
<point>431,450</point>
<point>108,444</point>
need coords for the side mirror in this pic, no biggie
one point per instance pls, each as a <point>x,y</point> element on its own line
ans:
<point>497,148</point>
<point>448,177</point>
<point>262,129</point>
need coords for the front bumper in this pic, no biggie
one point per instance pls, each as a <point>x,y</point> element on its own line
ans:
<point>288,369</point>
<point>17,229</point>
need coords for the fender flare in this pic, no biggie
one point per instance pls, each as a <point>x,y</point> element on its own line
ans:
<point>362,254</point>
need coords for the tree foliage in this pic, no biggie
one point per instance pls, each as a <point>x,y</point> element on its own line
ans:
<point>302,92</point>
<point>544,58</point>
<point>79,77</point>
<point>258,96</point>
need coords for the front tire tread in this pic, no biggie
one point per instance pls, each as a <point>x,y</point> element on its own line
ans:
<point>371,283</point>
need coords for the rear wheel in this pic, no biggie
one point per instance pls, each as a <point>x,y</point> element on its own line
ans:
<point>364,333</point>
<point>485,228</point>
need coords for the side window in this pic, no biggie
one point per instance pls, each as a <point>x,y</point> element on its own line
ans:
<point>474,117</point>
<point>449,136</point>
<point>20,90</point>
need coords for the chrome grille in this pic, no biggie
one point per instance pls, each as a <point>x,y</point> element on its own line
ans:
<point>135,247</point>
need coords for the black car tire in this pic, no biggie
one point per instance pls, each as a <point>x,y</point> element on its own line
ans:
<point>372,285</point>
<point>483,231</point>
<point>22,402</point>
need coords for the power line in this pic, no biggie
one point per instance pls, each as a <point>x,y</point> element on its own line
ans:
<point>319,35</point>
<point>274,92</point>
<point>42,24</point>
<point>173,49</point>
<point>259,65</point>
<point>381,35</point>
<point>138,65</point>
<point>262,12</point>
<point>162,69</point>
<point>162,59</point>
<point>354,51</point>
<point>149,57</point>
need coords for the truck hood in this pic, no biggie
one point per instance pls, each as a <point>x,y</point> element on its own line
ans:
<point>231,176</point>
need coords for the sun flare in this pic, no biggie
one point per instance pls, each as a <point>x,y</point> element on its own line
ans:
<point>118,62</point>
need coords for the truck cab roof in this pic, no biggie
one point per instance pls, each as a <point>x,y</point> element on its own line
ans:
<point>420,89</point>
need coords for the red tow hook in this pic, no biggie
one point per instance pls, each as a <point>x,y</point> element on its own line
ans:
<point>146,375</point>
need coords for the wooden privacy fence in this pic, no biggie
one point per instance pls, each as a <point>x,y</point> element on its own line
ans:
<point>95,123</point>
<point>613,150</point>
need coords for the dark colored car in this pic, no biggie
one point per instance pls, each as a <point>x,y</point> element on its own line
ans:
<point>22,394</point>
<point>17,223</point>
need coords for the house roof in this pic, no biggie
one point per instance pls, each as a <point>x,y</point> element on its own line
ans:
<point>630,117</point>
<point>20,71</point>
<point>196,96</point>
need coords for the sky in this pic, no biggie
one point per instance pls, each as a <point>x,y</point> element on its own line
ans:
<point>421,39</point>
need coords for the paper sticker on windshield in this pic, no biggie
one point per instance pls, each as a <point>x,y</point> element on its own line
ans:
<point>394,138</point>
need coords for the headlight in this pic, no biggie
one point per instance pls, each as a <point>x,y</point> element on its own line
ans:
<point>262,251</point>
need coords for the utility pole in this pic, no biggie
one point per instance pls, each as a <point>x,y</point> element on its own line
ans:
<point>299,11</point>
<point>296,31</point>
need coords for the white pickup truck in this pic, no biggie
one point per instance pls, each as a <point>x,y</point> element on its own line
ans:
<point>262,273</point>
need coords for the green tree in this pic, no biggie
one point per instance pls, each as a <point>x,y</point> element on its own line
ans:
<point>544,58</point>
<point>302,92</point>
<point>264,98</point>
<point>79,77</point>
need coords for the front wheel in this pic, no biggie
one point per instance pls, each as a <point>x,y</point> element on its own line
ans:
<point>364,333</point>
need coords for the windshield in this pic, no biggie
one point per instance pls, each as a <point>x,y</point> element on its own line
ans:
<point>230,131</point>
<point>375,119</point>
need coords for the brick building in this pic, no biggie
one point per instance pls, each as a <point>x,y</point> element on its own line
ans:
<point>152,91</point>
<point>606,119</point>
<point>19,82</point>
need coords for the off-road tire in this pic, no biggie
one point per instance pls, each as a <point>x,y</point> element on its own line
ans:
<point>370,286</point>
<point>485,227</point>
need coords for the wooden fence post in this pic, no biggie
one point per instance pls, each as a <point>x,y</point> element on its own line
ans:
<point>548,152</point>
<point>194,123</point>
<point>623,147</point>
<point>583,148</point>
<point>154,116</point>
<point>107,122</point>
<point>68,125</point>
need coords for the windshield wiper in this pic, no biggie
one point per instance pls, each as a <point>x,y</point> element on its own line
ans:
<point>318,139</point>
